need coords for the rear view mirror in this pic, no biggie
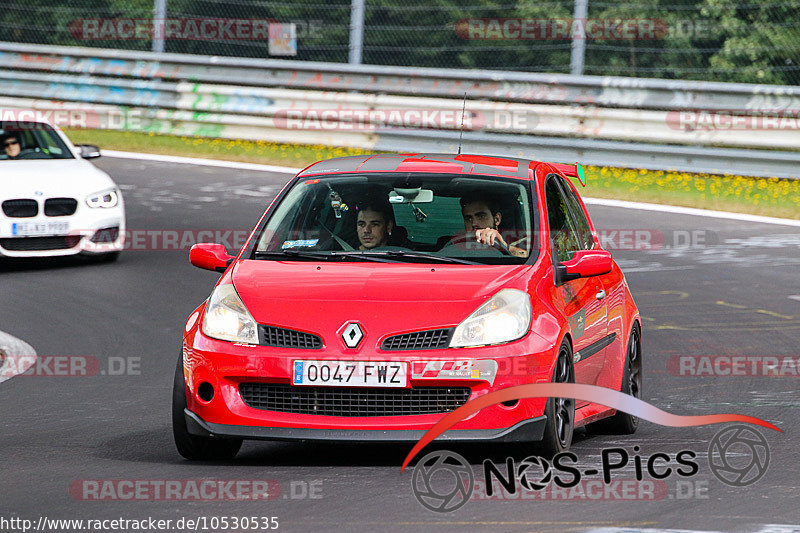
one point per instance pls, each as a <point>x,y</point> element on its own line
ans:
<point>584,264</point>
<point>210,256</point>
<point>409,196</point>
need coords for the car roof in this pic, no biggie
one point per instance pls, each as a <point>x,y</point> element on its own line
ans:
<point>484,165</point>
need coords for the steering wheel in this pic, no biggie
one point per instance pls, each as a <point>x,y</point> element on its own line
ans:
<point>28,153</point>
<point>471,240</point>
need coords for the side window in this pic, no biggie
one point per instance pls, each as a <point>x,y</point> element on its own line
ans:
<point>563,237</point>
<point>581,222</point>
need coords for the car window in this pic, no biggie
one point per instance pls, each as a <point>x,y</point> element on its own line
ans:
<point>35,140</point>
<point>426,223</point>
<point>563,237</point>
<point>584,232</point>
<point>417,212</point>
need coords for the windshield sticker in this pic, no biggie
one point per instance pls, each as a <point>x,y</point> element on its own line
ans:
<point>307,243</point>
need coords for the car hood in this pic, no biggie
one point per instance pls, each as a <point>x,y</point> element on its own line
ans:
<point>51,177</point>
<point>385,298</point>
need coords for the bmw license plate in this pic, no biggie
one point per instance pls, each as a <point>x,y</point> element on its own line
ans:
<point>28,229</point>
<point>351,373</point>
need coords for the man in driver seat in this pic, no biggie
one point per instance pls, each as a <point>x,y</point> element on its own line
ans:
<point>482,215</point>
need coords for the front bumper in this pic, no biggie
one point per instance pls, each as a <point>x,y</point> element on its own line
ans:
<point>524,431</point>
<point>88,234</point>
<point>225,366</point>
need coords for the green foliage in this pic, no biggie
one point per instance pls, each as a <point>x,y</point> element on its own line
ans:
<point>726,40</point>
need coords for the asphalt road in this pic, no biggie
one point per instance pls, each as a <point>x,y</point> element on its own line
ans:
<point>731,297</point>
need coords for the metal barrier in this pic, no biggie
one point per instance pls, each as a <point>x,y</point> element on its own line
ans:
<point>390,108</point>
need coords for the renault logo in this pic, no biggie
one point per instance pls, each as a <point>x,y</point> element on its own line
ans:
<point>352,335</point>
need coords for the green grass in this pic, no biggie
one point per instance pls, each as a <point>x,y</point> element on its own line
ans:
<point>295,155</point>
<point>740,194</point>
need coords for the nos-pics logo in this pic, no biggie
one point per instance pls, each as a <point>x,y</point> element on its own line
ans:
<point>444,481</point>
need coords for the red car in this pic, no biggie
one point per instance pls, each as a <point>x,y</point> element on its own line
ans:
<point>379,292</point>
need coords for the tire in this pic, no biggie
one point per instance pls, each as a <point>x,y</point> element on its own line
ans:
<point>560,412</point>
<point>624,423</point>
<point>191,446</point>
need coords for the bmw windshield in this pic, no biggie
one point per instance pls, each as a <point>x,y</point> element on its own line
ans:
<point>391,217</point>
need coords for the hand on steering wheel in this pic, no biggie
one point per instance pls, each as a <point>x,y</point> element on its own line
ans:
<point>487,237</point>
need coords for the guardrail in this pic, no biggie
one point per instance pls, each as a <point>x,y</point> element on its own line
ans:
<point>576,117</point>
<point>607,91</point>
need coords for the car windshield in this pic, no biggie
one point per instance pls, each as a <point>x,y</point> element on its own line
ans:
<point>35,140</point>
<point>391,217</point>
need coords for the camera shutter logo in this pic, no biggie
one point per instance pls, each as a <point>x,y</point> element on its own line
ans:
<point>442,481</point>
<point>738,455</point>
<point>525,473</point>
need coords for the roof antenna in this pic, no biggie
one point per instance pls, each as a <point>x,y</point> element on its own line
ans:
<point>461,135</point>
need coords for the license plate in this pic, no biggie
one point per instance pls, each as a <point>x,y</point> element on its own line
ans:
<point>28,229</point>
<point>351,373</point>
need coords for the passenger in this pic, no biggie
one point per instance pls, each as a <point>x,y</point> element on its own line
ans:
<point>374,224</point>
<point>482,215</point>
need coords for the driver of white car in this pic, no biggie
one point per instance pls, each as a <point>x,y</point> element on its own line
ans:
<point>11,146</point>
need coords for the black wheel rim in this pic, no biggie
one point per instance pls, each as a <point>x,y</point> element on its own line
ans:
<point>564,407</point>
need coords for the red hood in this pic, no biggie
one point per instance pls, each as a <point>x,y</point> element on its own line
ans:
<point>385,298</point>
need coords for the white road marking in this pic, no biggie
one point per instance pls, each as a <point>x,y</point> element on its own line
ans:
<point>17,356</point>
<point>692,211</point>
<point>594,201</point>
<point>199,161</point>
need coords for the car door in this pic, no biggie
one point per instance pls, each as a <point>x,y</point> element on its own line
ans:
<point>583,299</point>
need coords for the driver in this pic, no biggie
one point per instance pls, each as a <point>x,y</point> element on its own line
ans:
<point>482,215</point>
<point>11,146</point>
<point>374,224</point>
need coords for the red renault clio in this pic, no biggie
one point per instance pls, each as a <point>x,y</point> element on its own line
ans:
<point>378,293</point>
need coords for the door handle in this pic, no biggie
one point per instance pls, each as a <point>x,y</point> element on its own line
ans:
<point>600,295</point>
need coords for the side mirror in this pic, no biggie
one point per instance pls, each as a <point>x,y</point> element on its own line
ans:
<point>584,264</point>
<point>210,256</point>
<point>88,151</point>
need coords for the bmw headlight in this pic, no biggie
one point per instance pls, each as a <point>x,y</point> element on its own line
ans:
<point>226,318</point>
<point>504,318</point>
<point>103,199</point>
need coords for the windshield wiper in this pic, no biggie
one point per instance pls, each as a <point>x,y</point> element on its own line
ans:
<point>399,254</point>
<point>316,256</point>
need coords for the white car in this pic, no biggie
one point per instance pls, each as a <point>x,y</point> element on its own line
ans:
<point>52,201</point>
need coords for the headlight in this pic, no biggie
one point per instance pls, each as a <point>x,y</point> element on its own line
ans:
<point>103,199</point>
<point>504,318</point>
<point>226,318</point>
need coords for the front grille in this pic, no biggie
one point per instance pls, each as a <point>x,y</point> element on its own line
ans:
<point>287,338</point>
<point>353,401</point>
<point>30,244</point>
<point>20,208</point>
<point>60,207</point>
<point>419,340</point>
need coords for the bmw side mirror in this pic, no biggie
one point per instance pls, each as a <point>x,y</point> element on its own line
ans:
<point>584,264</point>
<point>210,256</point>
<point>89,151</point>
